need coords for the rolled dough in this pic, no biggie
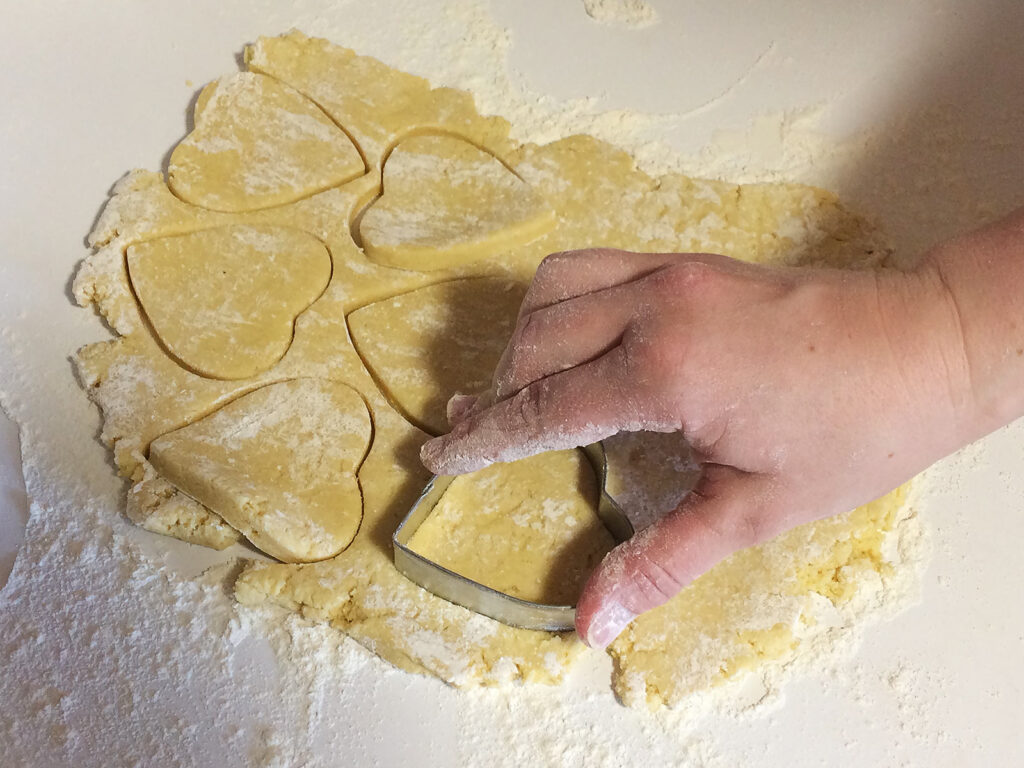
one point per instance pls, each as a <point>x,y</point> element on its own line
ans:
<point>528,529</point>
<point>758,608</point>
<point>243,286</point>
<point>278,464</point>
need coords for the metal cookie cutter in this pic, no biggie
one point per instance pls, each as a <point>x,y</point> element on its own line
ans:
<point>456,588</point>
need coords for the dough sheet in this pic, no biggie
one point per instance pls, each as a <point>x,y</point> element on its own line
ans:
<point>297,149</point>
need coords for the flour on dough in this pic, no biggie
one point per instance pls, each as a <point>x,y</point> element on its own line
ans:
<point>278,464</point>
<point>598,197</point>
<point>446,202</point>
<point>529,529</point>
<point>756,607</point>
<point>243,286</point>
<point>259,143</point>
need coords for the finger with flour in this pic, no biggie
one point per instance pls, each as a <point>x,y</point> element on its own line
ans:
<point>570,409</point>
<point>564,335</point>
<point>570,274</point>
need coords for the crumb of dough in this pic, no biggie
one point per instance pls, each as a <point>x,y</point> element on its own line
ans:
<point>158,507</point>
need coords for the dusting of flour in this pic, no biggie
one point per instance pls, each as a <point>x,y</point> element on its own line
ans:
<point>632,14</point>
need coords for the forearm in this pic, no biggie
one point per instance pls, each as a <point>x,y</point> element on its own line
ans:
<point>982,277</point>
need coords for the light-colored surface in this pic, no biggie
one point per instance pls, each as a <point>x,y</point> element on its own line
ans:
<point>939,686</point>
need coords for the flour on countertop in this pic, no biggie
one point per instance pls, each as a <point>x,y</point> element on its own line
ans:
<point>870,170</point>
<point>632,14</point>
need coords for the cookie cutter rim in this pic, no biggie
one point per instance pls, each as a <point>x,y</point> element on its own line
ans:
<point>500,606</point>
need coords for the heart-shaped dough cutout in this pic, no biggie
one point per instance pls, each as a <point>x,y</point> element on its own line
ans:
<point>257,143</point>
<point>223,301</point>
<point>529,528</point>
<point>424,346</point>
<point>447,202</point>
<point>278,464</point>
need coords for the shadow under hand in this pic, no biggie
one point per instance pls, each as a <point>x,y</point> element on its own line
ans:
<point>479,316</point>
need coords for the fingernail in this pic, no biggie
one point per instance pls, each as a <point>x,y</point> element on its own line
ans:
<point>609,621</point>
<point>459,406</point>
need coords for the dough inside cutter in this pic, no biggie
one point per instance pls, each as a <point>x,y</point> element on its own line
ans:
<point>529,528</point>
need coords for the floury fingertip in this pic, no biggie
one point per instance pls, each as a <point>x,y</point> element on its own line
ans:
<point>430,452</point>
<point>607,624</point>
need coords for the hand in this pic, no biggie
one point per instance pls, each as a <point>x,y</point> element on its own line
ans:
<point>804,393</point>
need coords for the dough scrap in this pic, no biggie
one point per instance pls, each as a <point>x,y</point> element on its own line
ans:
<point>447,202</point>
<point>157,506</point>
<point>599,198</point>
<point>257,143</point>
<point>278,464</point>
<point>426,345</point>
<point>756,607</point>
<point>529,529</point>
<point>243,285</point>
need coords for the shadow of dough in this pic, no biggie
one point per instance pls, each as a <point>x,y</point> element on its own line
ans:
<point>13,500</point>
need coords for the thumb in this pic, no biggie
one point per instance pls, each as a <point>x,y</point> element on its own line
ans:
<point>728,510</point>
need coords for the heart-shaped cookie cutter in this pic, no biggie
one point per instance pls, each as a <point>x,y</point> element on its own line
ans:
<point>478,597</point>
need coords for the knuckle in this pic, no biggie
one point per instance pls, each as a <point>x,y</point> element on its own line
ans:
<point>551,279</point>
<point>655,583</point>
<point>653,360</point>
<point>688,277</point>
<point>532,404</point>
<point>528,332</point>
<point>555,264</point>
<point>744,516</point>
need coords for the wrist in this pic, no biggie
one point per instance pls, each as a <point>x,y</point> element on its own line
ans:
<point>930,382</point>
<point>979,278</point>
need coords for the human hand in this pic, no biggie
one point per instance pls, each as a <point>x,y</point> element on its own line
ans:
<point>804,393</point>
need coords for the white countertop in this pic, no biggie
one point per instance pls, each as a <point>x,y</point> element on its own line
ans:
<point>93,89</point>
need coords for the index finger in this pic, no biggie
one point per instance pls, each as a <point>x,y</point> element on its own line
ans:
<point>575,407</point>
<point>571,274</point>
